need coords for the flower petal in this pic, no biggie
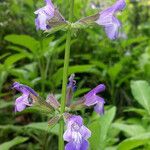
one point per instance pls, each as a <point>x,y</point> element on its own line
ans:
<point>112,30</point>
<point>97,89</point>
<point>70,146</point>
<point>84,145</point>
<point>99,108</point>
<point>85,132</point>
<point>49,2</point>
<point>91,100</point>
<point>43,14</point>
<point>119,5</point>
<point>19,104</point>
<point>75,119</point>
<point>24,89</point>
<point>68,135</point>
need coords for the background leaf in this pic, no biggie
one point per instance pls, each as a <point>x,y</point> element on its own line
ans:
<point>99,129</point>
<point>15,141</point>
<point>141,92</point>
<point>43,126</point>
<point>23,40</point>
<point>134,142</point>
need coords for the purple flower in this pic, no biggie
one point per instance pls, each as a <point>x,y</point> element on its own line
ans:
<point>71,87</point>
<point>72,82</point>
<point>48,16</point>
<point>109,21</point>
<point>92,99</point>
<point>76,134</point>
<point>43,14</point>
<point>24,100</point>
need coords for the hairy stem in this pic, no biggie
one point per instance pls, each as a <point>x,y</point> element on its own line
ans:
<point>65,76</point>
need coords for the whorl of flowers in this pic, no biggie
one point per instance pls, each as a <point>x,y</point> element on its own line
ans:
<point>76,133</point>
<point>49,17</point>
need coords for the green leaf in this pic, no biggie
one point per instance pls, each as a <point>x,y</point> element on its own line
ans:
<point>99,130</point>
<point>23,40</point>
<point>15,141</point>
<point>114,70</point>
<point>130,41</point>
<point>4,56</point>
<point>81,91</point>
<point>136,129</point>
<point>4,104</point>
<point>11,127</point>
<point>14,58</point>
<point>43,126</point>
<point>139,111</point>
<point>3,77</point>
<point>141,92</point>
<point>57,77</point>
<point>134,142</point>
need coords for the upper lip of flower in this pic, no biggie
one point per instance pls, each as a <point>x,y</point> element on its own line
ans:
<point>23,88</point>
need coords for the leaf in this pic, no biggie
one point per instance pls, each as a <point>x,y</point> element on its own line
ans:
<point>15,141</point>
<point>4,104</point>
<point>134,142</point>
<point>10,127</point>
<point>81,91</point>
<point>139,111</point>
<point>114,70</point>
<point>43,126</point>
<point>141,92</point>
<point>136,129</point>
<point>3,77</point>
<point>4,56</point>
<point>99,130</point>
<point>20,50</point>
<point>57,77</point>
<point>14,58</point>
<point>128,42</point>
<point>23,40</point>
<point>99,64</point>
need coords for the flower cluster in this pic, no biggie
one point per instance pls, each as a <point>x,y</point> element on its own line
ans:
<point>49,17</point>
<point>76,133</point>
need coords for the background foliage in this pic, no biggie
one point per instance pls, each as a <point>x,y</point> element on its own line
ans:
<point>36,59</point>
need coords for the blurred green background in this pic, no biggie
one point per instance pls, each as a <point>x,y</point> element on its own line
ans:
<point>35,58</point>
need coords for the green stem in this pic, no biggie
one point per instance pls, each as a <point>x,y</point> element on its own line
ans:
<point>65,76</point>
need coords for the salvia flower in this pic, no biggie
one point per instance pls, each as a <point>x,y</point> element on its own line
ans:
<point>76,134</point>
<point>24,100</point>
<point>92,99</point>
<point>71,87</point>
<point>109,21</point>
<point>47,14</point>
<point>72,82</point>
